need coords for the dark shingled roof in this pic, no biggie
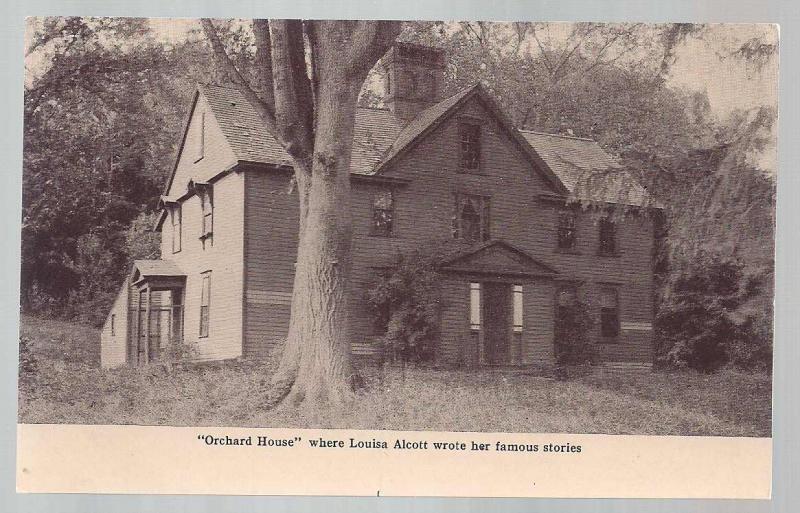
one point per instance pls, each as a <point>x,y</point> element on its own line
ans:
<point>586,170</point>
<point>375,131</point>
<point>581,165</point>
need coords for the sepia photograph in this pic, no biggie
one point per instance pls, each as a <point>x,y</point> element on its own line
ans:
<point>445,226</point>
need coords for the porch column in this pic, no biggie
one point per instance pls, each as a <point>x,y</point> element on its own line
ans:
<point>147,324</point>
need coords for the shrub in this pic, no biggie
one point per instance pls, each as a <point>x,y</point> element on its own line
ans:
<point>711,315</point>
<point>573,344</point>
<point>405,301</point>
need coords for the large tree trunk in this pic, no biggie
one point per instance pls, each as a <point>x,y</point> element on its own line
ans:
<point>311,73</point>
<point>315,367</point>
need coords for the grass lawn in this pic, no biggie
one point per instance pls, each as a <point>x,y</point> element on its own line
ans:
<point>67,386</point>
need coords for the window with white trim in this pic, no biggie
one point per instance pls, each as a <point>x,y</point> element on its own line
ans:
<point>176,217</point>
<point>207,222</point>
<point>205,304</point>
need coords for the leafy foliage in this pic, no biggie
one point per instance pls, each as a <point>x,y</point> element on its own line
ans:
<point>573,329</point>
<point>103,105</point>
<point>406,301</point>
<point>702,323</point>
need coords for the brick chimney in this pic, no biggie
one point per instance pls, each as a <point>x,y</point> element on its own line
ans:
<point>413,78</point>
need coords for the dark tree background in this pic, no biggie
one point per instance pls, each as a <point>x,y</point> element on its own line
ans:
<point>105,100</point>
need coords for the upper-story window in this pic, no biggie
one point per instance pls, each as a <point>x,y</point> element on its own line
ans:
<point>470,135</point>
<point>566,230</point>
<point>608,237</point>
<point>206,194</point>
<point>383,213</point>
<point>201,136</point>
<point>471,219</point>
<point>176,218</point>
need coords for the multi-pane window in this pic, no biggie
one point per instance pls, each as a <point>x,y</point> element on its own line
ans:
<point>205,302</point>
<point>475,306</point>
<point>609,312</point>
<point>608,237</point>
<point>517,307</point>
<point>113,328</point>
<point>471,218</point>
<point>383,213</point>
<point>176,215</point>
<point>470,135</point>
<point>566,230</point>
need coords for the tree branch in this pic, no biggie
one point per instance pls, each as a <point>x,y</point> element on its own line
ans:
<point>294,107</point>
<point>369,42</point>
<point>264,59</point>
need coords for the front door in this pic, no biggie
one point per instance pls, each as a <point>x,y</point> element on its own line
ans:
<point>497,309</point>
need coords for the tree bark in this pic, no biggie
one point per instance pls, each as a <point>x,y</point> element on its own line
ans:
<point>316,366</point>
<point>311,73</point>
<point>316,361</point>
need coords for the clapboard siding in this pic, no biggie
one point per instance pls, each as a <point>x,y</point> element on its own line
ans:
<point>423,215</point>
<point>223,257</point>
<point>271,227</point>
<point>113,345</point>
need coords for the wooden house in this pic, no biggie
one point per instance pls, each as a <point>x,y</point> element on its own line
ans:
<point>424,170</point>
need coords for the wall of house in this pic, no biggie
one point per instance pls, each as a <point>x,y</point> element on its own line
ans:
<point>223,255</point>
<point>113,344</point>
<point>423,217</point>
<point>222,258</point>
<point>217,154</point>
<point>271,228</point>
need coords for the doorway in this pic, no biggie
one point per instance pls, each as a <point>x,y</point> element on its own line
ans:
<point>497,312</point>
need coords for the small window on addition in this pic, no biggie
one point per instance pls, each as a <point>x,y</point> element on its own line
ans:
<point>609,314</point>
<point>383,214</point>
<point>113,329</point>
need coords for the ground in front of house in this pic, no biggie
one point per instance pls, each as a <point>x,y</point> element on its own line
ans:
<point>62,383</point>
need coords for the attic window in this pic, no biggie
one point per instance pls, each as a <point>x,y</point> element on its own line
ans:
<point>201,136</point>
<point>470,137</point>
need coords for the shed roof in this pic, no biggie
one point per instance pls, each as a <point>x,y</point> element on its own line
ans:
<point>153,268</point>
